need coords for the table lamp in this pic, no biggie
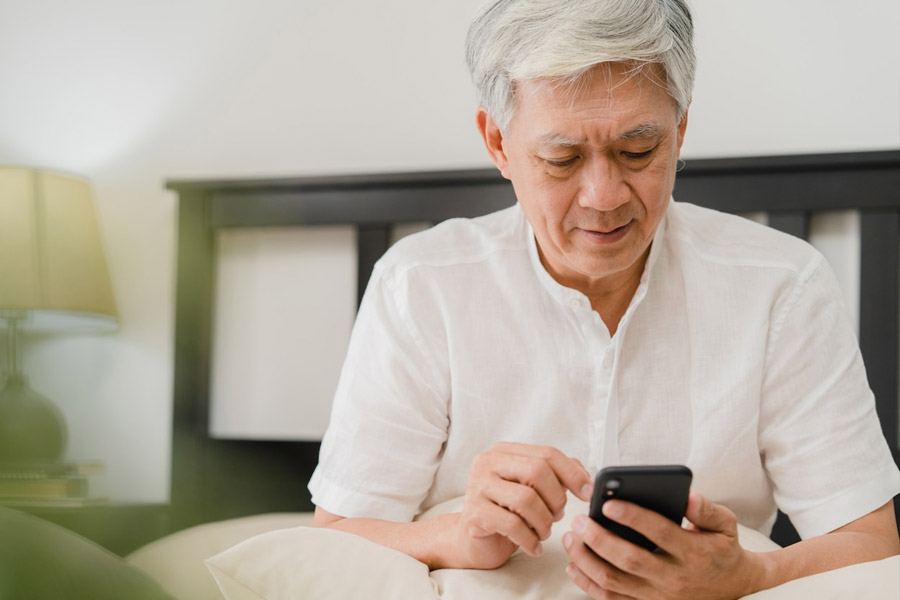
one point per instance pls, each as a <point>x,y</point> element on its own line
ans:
<point>53,277</point>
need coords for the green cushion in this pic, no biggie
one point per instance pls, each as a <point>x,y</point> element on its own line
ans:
<point>40,560</point>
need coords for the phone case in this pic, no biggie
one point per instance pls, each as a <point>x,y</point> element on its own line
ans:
<point>661,488</point>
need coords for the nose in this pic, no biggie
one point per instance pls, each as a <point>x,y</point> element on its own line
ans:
<point>603,185</point>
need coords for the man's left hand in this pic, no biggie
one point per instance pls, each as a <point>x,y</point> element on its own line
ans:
<point>703,560</point>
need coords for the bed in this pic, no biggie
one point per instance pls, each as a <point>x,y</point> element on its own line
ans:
<point>789,190</point>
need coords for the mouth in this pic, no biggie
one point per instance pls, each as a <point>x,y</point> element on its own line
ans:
<point>609,236</point>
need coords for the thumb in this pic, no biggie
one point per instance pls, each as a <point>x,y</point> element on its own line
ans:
<point>706,515</point>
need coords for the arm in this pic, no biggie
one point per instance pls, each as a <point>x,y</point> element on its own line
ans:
<point>705,560</point>
<point>868,538</point>
<point>426,541</point>
<point>514,495</point>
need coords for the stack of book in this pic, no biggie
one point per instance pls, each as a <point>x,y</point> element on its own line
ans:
<point>35,484</point>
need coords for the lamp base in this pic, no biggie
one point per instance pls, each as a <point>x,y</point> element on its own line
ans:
<point>31,427</point>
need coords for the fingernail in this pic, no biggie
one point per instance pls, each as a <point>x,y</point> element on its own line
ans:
<point>586,490</point>
<point>558,516</point>
<point>567,540</point>
<point>613,510</point>
<point>572,571</point>
<point>539,550</point>
<point>579,524</point>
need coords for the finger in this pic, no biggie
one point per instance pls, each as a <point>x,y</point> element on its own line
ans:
<point>658,529</point>
<point>568,471</point>
<point>600,574</point>
<point>589,587</point>
<point>487,519</point>
<point>532,471</point>
<point>706,515</point>
<point>598,542</point>
<point>524,501</point>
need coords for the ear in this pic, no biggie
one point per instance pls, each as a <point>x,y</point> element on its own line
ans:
<point>682,127</point>
<point>493,140</point>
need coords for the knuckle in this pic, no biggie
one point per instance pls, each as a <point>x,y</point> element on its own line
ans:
<point>546,452</point>
<point>591,537</point>
<point>525,495</point>
<point>661,535</point>
<point>500,447</point>
<point>481,460</point>
<point>474,489</point>
<point>510,522</point>
<point>630,560</point>
<point>532,473</point>
<point>605,578</point>
<point>556,500</point>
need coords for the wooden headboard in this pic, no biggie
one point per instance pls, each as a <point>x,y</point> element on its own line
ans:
<point>215,479</point>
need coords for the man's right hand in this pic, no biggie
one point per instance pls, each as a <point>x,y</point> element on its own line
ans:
<point>514,495</point>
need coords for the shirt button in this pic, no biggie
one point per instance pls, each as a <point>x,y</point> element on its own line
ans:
<point>574,303</point>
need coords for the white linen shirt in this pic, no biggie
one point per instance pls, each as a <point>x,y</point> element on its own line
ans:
<point>735,357</point>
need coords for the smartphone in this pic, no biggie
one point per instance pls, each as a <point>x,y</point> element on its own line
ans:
<point>661,488</point>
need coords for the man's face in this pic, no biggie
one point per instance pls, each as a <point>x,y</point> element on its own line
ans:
<point>593,168</point>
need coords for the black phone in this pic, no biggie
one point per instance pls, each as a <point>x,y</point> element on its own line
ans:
<point>661,488</point>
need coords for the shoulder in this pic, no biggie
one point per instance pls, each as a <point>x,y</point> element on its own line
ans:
<point>730,241</point>
<point>457,242</point>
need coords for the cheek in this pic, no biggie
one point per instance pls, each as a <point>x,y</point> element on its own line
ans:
<point>544,198</point>
<point>655,187</point>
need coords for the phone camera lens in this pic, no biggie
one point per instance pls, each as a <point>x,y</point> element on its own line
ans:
<point>610,488</point>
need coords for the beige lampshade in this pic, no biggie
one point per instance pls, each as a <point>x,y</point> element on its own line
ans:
<point>52,264</point>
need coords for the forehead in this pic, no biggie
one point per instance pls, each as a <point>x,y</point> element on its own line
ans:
<point>620,99</point>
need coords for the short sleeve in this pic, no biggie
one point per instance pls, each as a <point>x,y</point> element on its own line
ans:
<point>820,437</point>
<point>389,419</point>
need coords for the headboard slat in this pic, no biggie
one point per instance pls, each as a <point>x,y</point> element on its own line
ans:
<point>879,315</point>
<point>371,242</point>
<point>793,222</point>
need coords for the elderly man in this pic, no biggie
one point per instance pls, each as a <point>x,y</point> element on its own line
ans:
<point>507,358</point>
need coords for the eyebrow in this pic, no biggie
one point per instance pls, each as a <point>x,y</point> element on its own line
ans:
<point>558,140</point>
<point>644,130</point>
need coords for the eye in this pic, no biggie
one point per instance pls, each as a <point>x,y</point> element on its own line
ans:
<point>568,162</point>
<point>638,155</point>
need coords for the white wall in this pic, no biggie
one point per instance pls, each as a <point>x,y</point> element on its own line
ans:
<point>131,93</point>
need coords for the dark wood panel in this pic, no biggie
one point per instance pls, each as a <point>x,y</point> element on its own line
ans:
<point>795,223</point>
<point>359,206</point>
<point>193,326</point>
<point>371,242</point>
<point>879,326</point>
<point>863,187</point>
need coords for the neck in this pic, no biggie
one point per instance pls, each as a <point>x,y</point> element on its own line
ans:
<point>611,295</point>
<point>611,304</point>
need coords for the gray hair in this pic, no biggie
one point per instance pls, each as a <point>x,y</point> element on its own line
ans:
<point>519,40</point>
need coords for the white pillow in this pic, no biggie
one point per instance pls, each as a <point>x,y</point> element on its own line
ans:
<point>306,562</point>
<point>176,561</point>
<point>321,563</point>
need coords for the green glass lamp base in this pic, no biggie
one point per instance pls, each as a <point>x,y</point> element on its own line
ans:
<point>31,427</point>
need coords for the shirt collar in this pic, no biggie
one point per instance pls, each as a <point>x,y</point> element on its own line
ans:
<point>571,297</point>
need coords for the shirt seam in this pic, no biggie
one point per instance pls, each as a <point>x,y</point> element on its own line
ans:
<point>804,276</point>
